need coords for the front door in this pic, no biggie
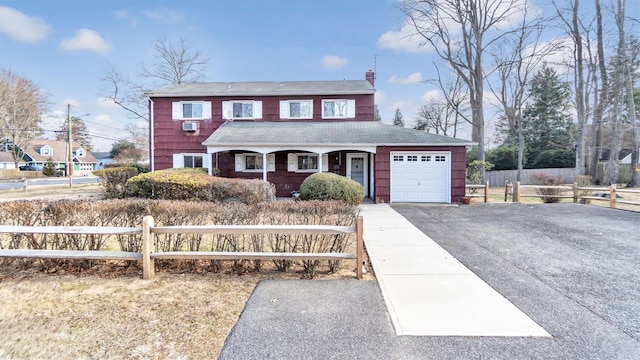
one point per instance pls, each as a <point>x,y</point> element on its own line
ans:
<point>357,169</point>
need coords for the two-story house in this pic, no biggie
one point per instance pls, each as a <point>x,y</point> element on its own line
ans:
<point>283,131</point>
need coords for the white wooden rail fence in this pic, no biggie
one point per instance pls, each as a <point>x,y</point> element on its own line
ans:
<point>148,255</point>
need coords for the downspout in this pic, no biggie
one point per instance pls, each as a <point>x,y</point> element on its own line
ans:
<point>152,163</point>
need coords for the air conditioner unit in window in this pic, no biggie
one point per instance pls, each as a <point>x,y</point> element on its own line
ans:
<point>189,126</point>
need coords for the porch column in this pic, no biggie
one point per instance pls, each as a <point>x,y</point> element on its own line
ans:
<point>264,166</point>
<point>319,162</point>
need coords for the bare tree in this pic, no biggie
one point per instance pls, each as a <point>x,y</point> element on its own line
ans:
<point>432,118</point>
<point>516,57</point>
<point>575,29</point>
<point>619,86</point>
<point>456,100</point>
<point>21,106</point>
<point>460,32</point>
<point>175,63</point>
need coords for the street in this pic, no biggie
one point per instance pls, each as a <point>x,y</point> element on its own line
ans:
<point>17,184</point>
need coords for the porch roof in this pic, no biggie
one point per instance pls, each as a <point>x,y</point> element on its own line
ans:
<point>365,135</point>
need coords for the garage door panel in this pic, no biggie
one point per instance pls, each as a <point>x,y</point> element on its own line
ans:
<point>420,177</point>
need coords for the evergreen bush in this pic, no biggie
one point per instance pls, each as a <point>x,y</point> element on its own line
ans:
<point>330,186</point>
<point>114,180</point>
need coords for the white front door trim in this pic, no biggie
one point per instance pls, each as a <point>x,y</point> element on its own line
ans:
<point>365,168</point>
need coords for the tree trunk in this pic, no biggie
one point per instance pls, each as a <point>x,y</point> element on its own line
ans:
<point>602,101</point>
<point>579,70</point>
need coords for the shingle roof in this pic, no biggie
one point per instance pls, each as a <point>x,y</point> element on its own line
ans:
<point>59,151</point>
<point>267,88</point>
<point>324,133</point>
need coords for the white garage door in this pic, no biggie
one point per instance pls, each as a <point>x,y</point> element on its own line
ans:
<point>421,177</point>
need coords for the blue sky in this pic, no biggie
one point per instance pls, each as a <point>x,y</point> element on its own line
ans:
<point>65,45</point>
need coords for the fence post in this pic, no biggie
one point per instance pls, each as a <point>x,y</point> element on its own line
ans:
<point>486,191</point>
<point>359,247</point>
<point>516,191</point>
<point>148,263</point>
<point>575,191</point>
<point>506,190</point>
<point>612,196</point>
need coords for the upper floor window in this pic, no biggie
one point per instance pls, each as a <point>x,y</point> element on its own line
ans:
<point>296,109</point>
<point>242,109</point>
<point>191,110</point>
<point>338,109</point>
<point>46,151</point>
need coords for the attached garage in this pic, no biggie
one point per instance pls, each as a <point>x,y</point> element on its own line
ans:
<point>420,176</point>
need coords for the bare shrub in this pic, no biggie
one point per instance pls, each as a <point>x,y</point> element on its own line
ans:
<point>550,195</point>
<point>129,213</point>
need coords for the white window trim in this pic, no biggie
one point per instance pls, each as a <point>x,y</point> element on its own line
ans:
<point>285,108</point>
<point>292,163</point>
<point>177,114</point>
<point>178,160</point>
<point>46,151</point>
<point>227,109</point>
<point>350,111</point>
<point>241,162</point>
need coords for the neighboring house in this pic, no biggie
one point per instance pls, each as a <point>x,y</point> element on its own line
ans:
<point>104,158</point>
<point>627,159</point>
<point>283,131</point>
<point>6,160</point>
<point>40,151</point>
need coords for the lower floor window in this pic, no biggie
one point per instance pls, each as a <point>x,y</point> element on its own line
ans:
<point>253,162</point>
<point>193,161</point>
<point>307,162</point>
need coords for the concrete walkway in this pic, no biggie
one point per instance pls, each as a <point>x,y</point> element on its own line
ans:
<point>430,293</point>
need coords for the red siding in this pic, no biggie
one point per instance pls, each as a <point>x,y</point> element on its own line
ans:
<point>284,180</point>
<point>169,138</point>
<point>382,167</point>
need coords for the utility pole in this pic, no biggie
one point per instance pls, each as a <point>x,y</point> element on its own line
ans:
<point>69,147</point>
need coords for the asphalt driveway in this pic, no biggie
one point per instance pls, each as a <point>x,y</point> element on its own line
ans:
<point>574,269</point>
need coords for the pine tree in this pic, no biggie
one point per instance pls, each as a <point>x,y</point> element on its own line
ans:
<point>397,118</point>
<point>546,120</point>
<point>80,134</point>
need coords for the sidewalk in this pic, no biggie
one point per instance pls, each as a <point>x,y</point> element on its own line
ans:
<point>427,291</point>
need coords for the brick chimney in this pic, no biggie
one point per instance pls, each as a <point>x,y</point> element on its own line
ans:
<point>370,76</point>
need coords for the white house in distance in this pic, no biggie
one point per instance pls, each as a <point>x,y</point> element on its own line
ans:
<point>40,151</point>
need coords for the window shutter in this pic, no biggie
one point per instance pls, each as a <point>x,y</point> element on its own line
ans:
<point>325,162</point>
<point>351,108</point>
<point>271,162</point>
<point>176,110</point>
<point>257,109</point>
<point>206,109</point>
<point>284,109</point>
<point>178,161</point>
<point>206,161</point>
<point>227,110</point>
<point>239,162</point>
<point>292,164</point>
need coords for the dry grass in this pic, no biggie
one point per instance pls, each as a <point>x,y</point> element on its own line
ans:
<point>496,194</point>
<point>108,311</point>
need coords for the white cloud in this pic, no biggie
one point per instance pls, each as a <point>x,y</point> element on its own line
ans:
<point>380,97</point>
<point>125,15</point>
<point>404,39</point>
<point>165,15</point>
<point>86,39</point>
<point>22,28</point>
<point>431,95</point>
<point>74,102</point>
<point>106,104</point>
<point>414,78</point>
<point>331,62</point>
